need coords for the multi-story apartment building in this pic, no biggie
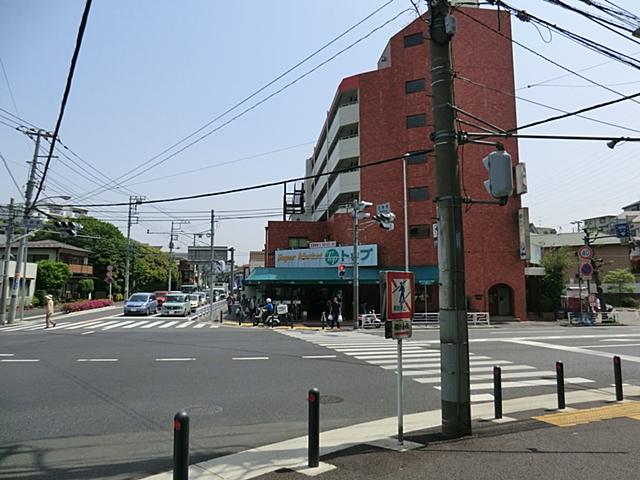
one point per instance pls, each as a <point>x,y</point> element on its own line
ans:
<point>386,113</point>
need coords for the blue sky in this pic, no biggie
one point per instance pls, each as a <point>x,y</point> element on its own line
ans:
<point>152,71</point>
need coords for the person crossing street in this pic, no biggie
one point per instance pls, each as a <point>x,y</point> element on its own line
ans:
<point>49,311</point>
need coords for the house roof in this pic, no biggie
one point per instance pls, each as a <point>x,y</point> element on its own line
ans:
<point>574,239</point>
<point>56,245</point>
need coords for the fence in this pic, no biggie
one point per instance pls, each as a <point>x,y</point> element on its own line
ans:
<point>219,307</point>
<point>475,318</point>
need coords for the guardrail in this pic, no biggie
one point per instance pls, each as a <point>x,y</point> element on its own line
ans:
<point>219,308</point>
<point>475,318</point>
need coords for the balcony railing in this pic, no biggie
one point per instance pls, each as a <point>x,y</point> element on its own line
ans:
<point>77,269</point>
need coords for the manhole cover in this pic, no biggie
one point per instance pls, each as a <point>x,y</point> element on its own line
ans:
<point>327,399</point>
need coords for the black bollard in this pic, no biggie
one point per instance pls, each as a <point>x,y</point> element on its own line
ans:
<point>617,372</point>
<point>560,382</point>
<point>181,446</point>
<point>314,427</point>
<point>497,391</point>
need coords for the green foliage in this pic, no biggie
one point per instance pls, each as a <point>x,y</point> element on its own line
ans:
<point>622,278</point>
<point>85,286</point>
<point>629,302</point>
<point>118,297</point>
<point>52,276</point>
<point>35,302</point>
<point>552,285</point>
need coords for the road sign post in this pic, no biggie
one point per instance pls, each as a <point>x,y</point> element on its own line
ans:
<point>397,291</point>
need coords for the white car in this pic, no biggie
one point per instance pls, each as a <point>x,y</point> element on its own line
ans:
<point>194,300</point>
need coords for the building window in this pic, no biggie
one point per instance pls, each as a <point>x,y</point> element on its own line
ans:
<point>413,86</point>
<point>415,121</point>
<point>298,242</point>
<point>417,158</point>
<point>418,193</point>
<point>419,231</point>
<point>413,40</point>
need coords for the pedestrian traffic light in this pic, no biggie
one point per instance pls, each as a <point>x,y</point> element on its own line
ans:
<point>500,182</point>
<point>67,228</point>
<point>341,270</point>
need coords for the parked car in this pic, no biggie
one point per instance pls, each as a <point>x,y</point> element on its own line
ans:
<point>160,297</point>
<point>204,297</point>
<point>194,300</point>
<point>176,304</point>
<point>145,303</point>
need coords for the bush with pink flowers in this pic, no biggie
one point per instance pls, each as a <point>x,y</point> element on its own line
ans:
<point>85,305</point>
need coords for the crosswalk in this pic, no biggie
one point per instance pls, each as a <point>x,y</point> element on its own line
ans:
<point>421,362</point>
<point>113,323</point>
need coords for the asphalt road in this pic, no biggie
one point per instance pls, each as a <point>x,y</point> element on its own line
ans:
<point>95,396</point>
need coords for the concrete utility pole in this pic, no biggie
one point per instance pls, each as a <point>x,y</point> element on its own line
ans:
<point>454,344</point>
<point>17,280</point>
<point>170,257</point>
<point>232,273</point>
<point>5,266</point>
<point>356,289</point>
<point>212,264</point>
<point>132,219</point>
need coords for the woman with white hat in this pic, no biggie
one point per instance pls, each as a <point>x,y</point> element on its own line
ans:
<point>49,311</point>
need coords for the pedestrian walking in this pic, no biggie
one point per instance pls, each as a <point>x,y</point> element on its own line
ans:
<point>229,303</point>
<point>252,308</point>
<point>327,313</point>
<point>336,312</point>
<point>49,311</point>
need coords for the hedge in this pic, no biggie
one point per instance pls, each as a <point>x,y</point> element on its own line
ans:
<point>85,305</point>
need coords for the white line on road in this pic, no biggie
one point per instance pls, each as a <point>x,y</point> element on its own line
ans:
<point>137,324</point>
<point>200,325</point>
<point>473,369</point>
<point>185,324</point>
<point>87,333</point>
<point>529,383</point>
<point>119,324</point>
<point>83,325</point>
<point>152,324</point>
<point>7,354</point>
<point>553,346</point>
<point>319,356</point>
<point>20,360</point>
<point>168,324</point>
<point>613,345</point>
<point>97,360</point>
<point>175,359</point>
<point>250,358</point>
<point>489,377</point>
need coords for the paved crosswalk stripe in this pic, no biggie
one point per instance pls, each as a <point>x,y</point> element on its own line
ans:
<point>168,324</point>
<point>16,328</point>
<point>137,324</point>
<point>75,326</point>
<point>152,324</point>
<point>490,376</point>
<point>101,325</point>
<point>474,369</point>
<point>119,324</point>
<point>481,397</point>
<point>529,383</point>
<point>383,349</point>
<point>200,325</point>
<point>185,324</point>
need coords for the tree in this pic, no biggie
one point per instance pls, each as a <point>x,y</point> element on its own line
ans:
<point>552,285</point>
<point>622,278</point>
<point>85,286</point>
<point>52,276</point>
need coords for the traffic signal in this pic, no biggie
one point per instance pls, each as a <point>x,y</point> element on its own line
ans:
<point>385,220</point>
<point>341,270</point>
<point>67,228</point>
<point>500,182</point>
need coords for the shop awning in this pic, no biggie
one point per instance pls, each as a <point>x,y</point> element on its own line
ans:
<point>425,275</point>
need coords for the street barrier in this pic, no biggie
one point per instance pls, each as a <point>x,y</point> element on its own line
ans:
<point>181,446</point>
<point>560,383</point>
<point>617,373</point>
<point>474,318</point>
<point>497,391</point>
<point>203,311</point>
<point>314,427</point>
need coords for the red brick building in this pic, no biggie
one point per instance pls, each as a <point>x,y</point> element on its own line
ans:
<point>385,113</point>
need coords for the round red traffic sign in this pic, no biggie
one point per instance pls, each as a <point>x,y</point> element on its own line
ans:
<point>586,269</point>
<point>585,252</point>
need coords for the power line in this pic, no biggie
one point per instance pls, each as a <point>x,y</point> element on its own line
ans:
<point>6,78</point>
<point>260,102</point>
<point>6,165</point>
<point>65,96</point>
<point>547,59</point>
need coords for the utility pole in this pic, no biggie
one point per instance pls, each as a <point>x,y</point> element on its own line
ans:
<point>356,289</point>
<point>232,273</point>
<point>170,257</point>
<point>132,219</point>
<point>17,280</point>
<point>454,343</point>
<point>212,264</point>
<point>5,266</point>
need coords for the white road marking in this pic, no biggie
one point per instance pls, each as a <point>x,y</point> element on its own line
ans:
<point>137,324</point>
<point>250,358</point>
<point>614,339</point>
<point>473,368</point>
<point>319,356</point>
<point>481,397</point>
<point>100,325</point>
<point>168,324</point>
<point>613,345</point>
<point>7,354</point>
<point>20,360</point>
<point>382,349</point>
<point>87,333</point>
<point>75,326</point>
<point>175,359</point>
<point>565,348</point>
<point>214,326</point>
<point>97,360</point>
<point>119,324</point>
<point>152,324</point>
<point>528,383</point>
<point>200,325</point>
<point>185,324</point>
<point>489,377</point>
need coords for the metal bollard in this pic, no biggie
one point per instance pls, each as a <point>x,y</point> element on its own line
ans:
<point>617,372</point>
<point>220,316</point>
<point>497,391</point>
<point>560,382</point>
<point>181,446</point>
<point>314,427</point>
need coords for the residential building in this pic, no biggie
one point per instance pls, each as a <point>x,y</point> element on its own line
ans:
<point>382,114</point>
